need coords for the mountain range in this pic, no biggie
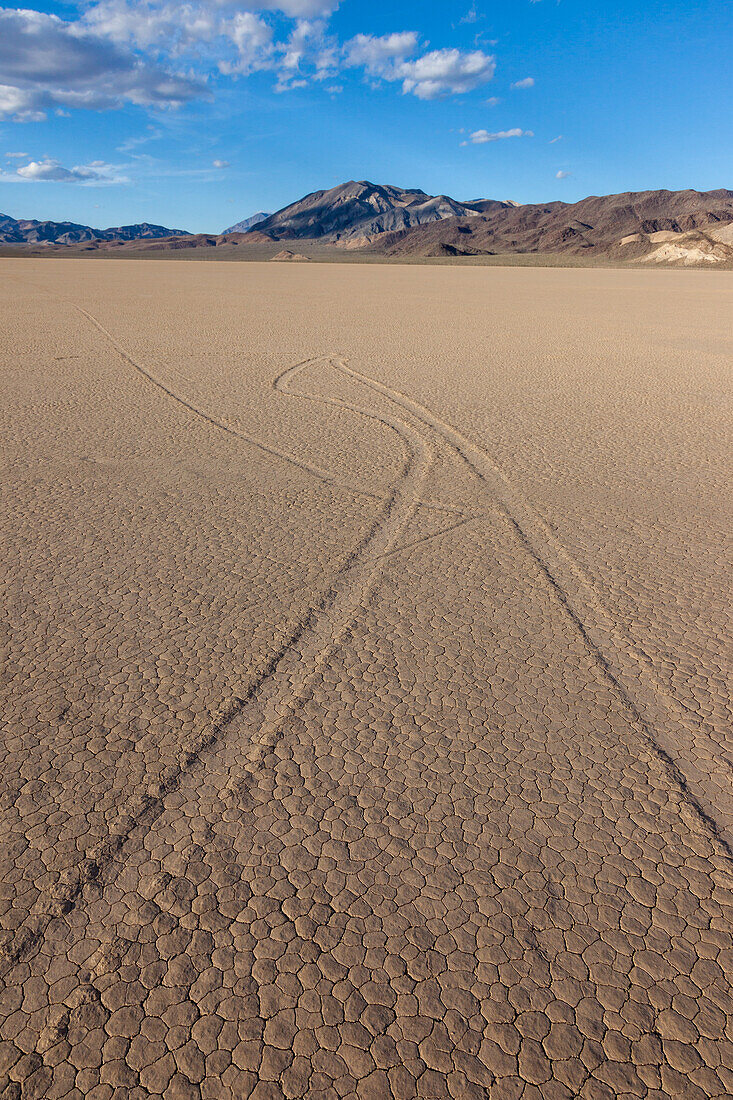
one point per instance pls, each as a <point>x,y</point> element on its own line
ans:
<point>593,225</point>
<point>634,226</point>
<point>678,227</point>
<point>13,231</point>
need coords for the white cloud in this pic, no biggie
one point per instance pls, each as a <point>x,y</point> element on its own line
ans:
<point>446,72</point>
<point>434,75</point>
<point>120,51</point>
<point>20,103</point>
<point>528,82</point>
<point>492,101</point>
<point>378,54</point>
<point>483,137</point>
<point>220,163</point>
<point>326,62</point>
<point>46,63</point>
<point>302,9</point>
<point>253,39</point>
<point>286,83</point>
<point>562,175</point>
<point>307,53</point>
<point>471,16</point>
<point>302,37</point>
<point>133,143</point>
<point>17,156</point>
<point>139,24</point>
<point>190,26</point>
<point>553,140</point>
<point>52,171</point>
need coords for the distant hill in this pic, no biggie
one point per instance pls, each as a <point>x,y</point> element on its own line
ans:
<point>247,223</point>
<point>13,231</point>
<point>596,224</point>
<point>357,212</point>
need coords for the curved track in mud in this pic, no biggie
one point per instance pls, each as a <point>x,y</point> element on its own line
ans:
<point>258,716</point>
<point>275,694</point>
<point>658,711</point>
<point>429,846</point>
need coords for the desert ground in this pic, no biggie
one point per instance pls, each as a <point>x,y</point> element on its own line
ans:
<point>366,720</point>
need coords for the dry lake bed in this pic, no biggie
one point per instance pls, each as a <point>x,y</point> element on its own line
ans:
<point>366,718</point>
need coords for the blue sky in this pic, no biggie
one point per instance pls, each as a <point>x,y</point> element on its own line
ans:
<point>196,113</point>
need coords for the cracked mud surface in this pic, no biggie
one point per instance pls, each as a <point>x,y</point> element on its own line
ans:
<point>366,707</point>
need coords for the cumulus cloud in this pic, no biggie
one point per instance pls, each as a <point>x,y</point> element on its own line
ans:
<point>142,24</point>
<point>483,137</point>
<point>528,82</point>
<point>433,75</point>
<point>562,175</point>
<point>230,34</point>
<point>25,105</point>
<point>301,9</point>
<point>220,163</point>
<point>52,171</point>
<point>124,51</point>
<point>253,40</point>
<point>234,38</point>
<point>377,54</point>
<point>47,63</point>
<point>307,45</point>
<point>446,72</point>
<point>180,26</point>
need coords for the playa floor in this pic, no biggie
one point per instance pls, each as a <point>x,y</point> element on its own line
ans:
<point>366,720</point>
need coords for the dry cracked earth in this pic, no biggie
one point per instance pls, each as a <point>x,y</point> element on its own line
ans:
<point>366,720</point>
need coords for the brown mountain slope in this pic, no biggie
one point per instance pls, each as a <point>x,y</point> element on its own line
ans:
<point>596,223</point>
